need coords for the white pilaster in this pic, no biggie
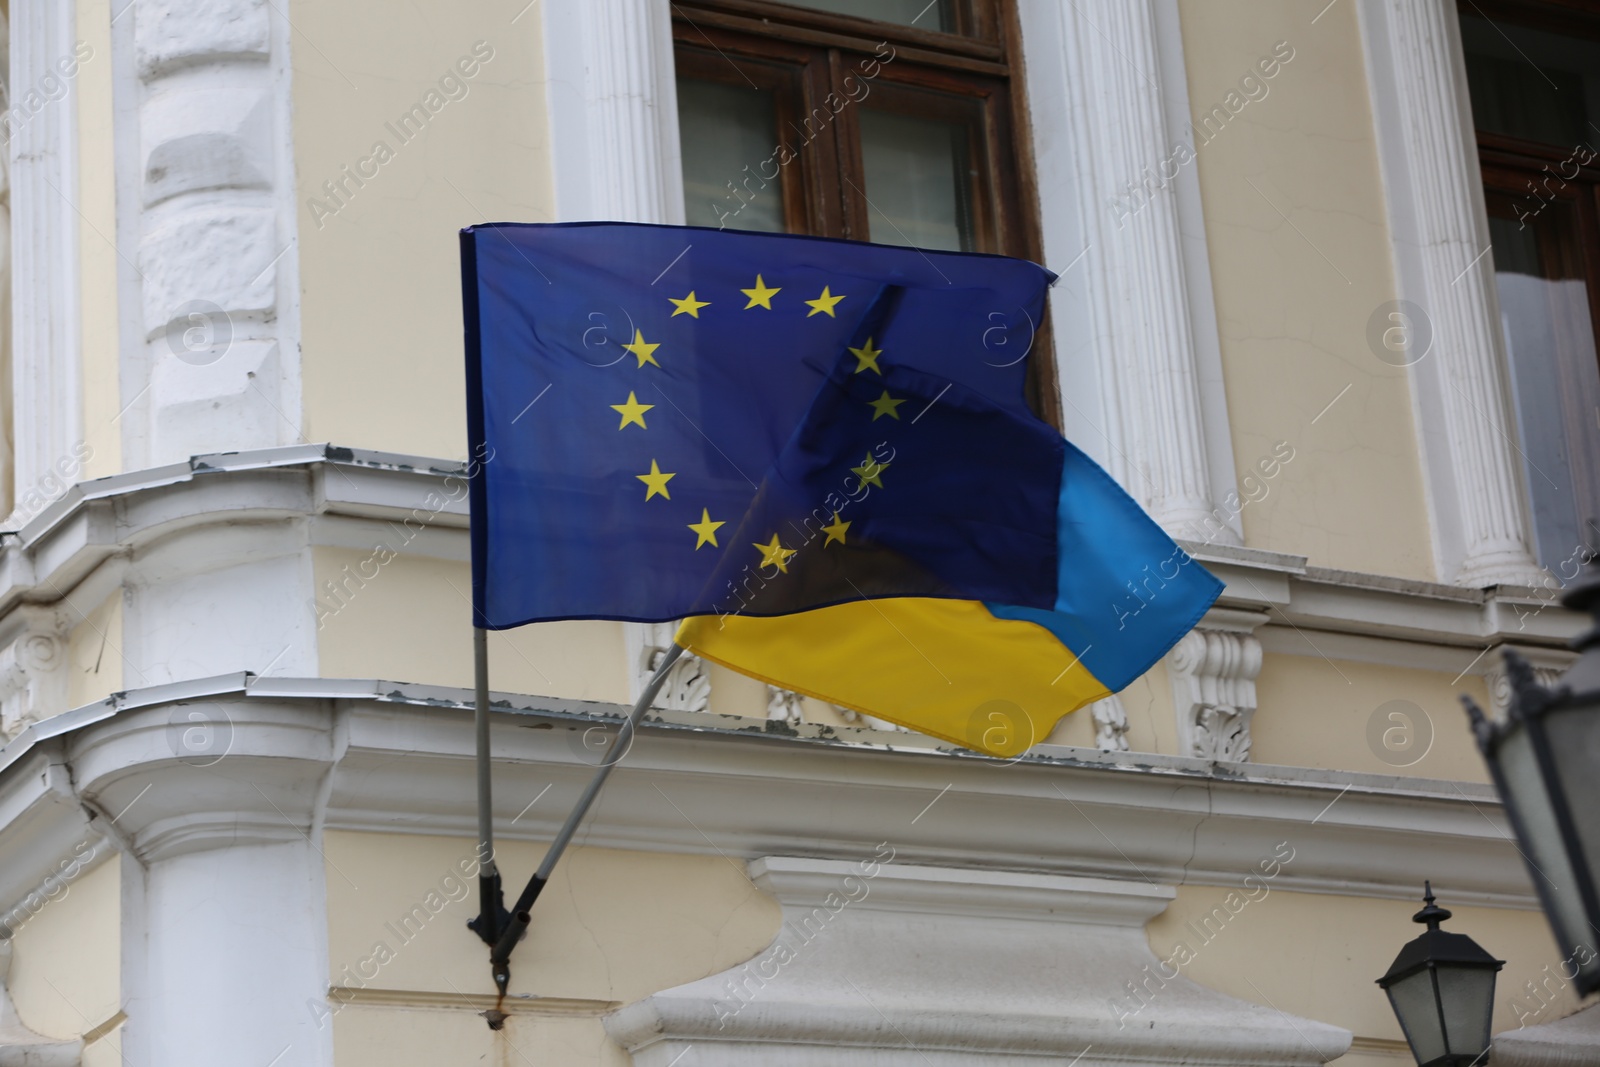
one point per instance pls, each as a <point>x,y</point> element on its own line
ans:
<point>227,951</point>
<point>1100,119</point>
<point>613,111</point>
<point>204,188</point>
<point>42,151</point>
<point>1483,533</point>
<point>901,966</point>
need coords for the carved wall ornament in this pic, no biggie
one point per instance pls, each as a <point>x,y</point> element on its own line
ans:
<point>688,684</point>
<point>1213,671</point>
<point>1110,724</point>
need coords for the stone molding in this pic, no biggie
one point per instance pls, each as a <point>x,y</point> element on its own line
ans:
<point>402,761</point>
<point>1037,955</point>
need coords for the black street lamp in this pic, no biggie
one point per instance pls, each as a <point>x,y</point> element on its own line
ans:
<point>1441,988</point>
<point>1545,761</point>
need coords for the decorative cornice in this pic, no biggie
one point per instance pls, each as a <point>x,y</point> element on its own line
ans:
<point>405,764</point>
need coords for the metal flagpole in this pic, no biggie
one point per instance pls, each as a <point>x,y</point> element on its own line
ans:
<point>500,958</point>
<point>492,913</point>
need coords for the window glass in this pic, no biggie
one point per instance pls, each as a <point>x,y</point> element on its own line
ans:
<point>923,14</point>
<point>1532,84</point>
<point>918,181</point>
<point>1555,383</point>
<point>726,133</point>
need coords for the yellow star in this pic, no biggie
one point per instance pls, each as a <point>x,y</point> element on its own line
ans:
<point>688,306</point>
<point>866,357</point>
<point>632,411</point>
<point>885,405</point>
<point>656,481</point>
<point>760,296</point>
<point>869,471</point>
<point>823,303</point>
<point>645,352</point>
<point>836,531</point>
<point>706,530</point>
<point>775,555</point>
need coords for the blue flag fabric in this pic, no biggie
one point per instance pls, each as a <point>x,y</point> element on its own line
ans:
<point>668,413</point>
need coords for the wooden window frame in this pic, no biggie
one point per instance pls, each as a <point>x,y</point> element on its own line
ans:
<point>754,42</point>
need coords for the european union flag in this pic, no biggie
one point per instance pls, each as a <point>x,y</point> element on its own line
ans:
<point>638,385</point>
<point>678,422</point>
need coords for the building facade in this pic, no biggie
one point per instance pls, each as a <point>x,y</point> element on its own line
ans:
<point>1329,279</point>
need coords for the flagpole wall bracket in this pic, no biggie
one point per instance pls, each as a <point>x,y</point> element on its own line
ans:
<point>516,923</point>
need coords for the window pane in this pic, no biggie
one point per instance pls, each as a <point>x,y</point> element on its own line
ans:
<point>1544,311</point>
<point>1532,84</point>
<point>729,136</point>
<point>918,181</point>
<point>923,14</point>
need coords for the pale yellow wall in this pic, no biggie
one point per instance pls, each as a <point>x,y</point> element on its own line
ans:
<point>1294,296</point>
<point>97,255</point>
<point>380,280</point>
<point>1314,712</point>
<point>581,660</point>
<point>413,1037</point>
<point>65,971</point>
<point>94,654</point>
<point>595,941</point>
<point>1318,956</point>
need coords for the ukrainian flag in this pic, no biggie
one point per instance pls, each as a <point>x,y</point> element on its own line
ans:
<point>818,454</point>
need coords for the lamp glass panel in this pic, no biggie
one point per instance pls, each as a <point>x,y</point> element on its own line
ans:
<point>1574,735</point>
<point>1418,1011</point>
<point>1467,994</point>
<point>726,132</point>
<point>1546,855</point>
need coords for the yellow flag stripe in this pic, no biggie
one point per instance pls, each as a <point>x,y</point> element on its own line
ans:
<point>947,668</point>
